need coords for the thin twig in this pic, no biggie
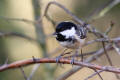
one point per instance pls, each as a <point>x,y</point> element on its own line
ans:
<point>108,58</point>
<point>100,12</point>
<point>3,34</point>
<point>96,72</point>
<point>62,7</point>
<point>116,47</point>
<point>25,77</point>
<point>34,69</point>
<point>109,28</point>
<point>51,20</point>
<point>106,54</point>
<point>17,19</point>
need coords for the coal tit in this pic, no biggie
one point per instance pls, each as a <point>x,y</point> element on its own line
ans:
<point>70,35</point>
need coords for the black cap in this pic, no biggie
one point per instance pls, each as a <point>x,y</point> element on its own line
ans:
<point>64,26</point>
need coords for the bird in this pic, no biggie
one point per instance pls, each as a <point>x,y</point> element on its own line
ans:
<point>70,35</point>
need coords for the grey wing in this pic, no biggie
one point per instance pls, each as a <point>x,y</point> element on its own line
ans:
<point>81,32</point>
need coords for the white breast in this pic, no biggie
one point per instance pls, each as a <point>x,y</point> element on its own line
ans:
<point>72,45</point>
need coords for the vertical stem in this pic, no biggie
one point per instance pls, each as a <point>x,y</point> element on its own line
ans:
<point>38,27</point>
<point>41,38</point>
<point>108,58</point>
<point>106,54</point>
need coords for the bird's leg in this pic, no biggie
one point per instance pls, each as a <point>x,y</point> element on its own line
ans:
<point>63,53</point>
<point>72,60</point>
<point>81,55</point>
<point>75,55</point>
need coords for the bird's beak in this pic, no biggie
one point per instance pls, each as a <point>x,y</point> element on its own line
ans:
<point>54,34</point>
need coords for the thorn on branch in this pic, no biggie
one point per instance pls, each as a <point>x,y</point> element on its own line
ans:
<point>34,60</point>
<point>109,28</point>
<point>6,62</point>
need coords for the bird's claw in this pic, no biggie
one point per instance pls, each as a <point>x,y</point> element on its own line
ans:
<point>72,61</point>
<point>57,59</point>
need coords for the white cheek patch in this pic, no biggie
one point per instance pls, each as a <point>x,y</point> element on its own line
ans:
<point>68,33</point>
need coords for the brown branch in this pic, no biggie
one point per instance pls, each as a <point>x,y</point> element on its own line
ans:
<point>17,64</point>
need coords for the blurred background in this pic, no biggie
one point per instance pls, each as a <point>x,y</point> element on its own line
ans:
<point>12,15</point>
